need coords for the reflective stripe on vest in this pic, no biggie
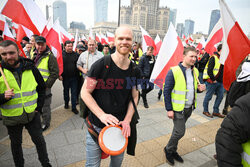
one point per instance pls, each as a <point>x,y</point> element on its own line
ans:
<point>216,67</point>
<point>43,67</point>
<point>178,94</point>
<point>25,98</point>
<point>245,155</point>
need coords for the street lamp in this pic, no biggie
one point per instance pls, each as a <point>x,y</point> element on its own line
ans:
<point>119,13</point>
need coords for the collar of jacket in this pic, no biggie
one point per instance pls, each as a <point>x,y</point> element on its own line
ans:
<point>26,64</point>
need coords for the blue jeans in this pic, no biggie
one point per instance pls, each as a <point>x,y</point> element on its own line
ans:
<point>201,77</point>
<point>70,83</point>
<point>93,154</point>
<point>217,89</point>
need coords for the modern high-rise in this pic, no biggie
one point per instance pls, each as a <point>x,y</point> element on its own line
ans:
<point>215,16</point>
<point>180,29</point>
<point>189,27</point>
<point>60,11</point>
<point>101,10</point>
<point>172,16</point>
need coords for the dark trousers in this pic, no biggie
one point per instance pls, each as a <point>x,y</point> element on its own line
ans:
<point>70,83</point>
<point>146,88</point>
<point>35,130</point>
<point>179,129</point>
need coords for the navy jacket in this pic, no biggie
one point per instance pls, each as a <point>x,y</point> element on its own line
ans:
<point>144,65</point>
<point>169,86</point>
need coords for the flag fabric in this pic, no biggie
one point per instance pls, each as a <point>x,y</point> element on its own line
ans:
<point>2,22</point>
<point>76,40</point>
<point>91,36</point>
<point>183,37</point>
<point>47,27</point>
<point>104,39</point>
<point>54,41</point>
<point>97,37</point>
<point>201,44</point>
<point>214,37</point>
<point>158,43</point>
<point>65,36</point>
<point>23,32</point>
<point>14,28</point>
<point>235,47</point>
<point>170,54</point>
<point>29,14</point>
<point>83,37</point>
<point>146,40</point>
<point>110,36</point>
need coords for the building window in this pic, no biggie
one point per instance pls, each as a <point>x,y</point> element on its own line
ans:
<point>135,19</point>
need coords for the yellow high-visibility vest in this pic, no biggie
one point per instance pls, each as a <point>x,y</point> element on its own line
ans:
<point>25,98</point>
<point>43,67</point>
<point>246,154</point>
<point>178,94</point>
<point>215,70</point>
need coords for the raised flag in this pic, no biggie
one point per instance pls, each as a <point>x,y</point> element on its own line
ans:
<point>170,54</point>
<point>201,44</point>
<point>91,36</point>
<point>76,40</point>
<point>83,37</point>
<point>2,22</point>
<point>29,14</point>
<point>146,40</point>
<point>235,47</point>
<point>65,36</point>
<point>23,32</point>
<point>47,27</point>
<point>158,43</point>
<point>104,39</point>
<point>214,38</point>
<point>54,41</point>
<point>97,37</point>
<point>110,36</point>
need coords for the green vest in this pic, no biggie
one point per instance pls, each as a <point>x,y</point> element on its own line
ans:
<point>25,98</point>
<point>178,94</point>
<point>246,154</point>
<point>215,70</point>
<point>43,67</point>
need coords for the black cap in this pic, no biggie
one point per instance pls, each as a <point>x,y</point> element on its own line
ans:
<point>80,47</point>
<point>40,39</point>
<point>26,39</point>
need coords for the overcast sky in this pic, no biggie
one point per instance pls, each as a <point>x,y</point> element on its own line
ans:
<point>197,10</point>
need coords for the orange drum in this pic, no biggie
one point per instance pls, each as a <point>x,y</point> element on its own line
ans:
<point>112,141</point>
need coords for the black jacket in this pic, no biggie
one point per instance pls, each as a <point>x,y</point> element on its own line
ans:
<point>146,65</point>
<point>26,64</point>
<point>69,65</point>
<point>211,63</point>
<point>234,131</point>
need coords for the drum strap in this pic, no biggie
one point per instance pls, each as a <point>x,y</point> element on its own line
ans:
<point>93,133</point>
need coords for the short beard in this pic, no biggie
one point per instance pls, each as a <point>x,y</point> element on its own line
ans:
<point>14,65</point>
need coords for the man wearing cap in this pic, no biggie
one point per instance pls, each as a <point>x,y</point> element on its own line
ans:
<point>46,63</point>
<point>80,48</point>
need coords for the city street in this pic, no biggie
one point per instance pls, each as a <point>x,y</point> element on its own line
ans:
<point>66,138</point>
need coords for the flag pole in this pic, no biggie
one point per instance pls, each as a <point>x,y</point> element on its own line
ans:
<point>4,78</point>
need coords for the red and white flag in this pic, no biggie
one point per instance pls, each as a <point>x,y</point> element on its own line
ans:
<point>65,36</point>
<point>235,47</point>
<point>47,27</point>
<point>170,54</point>
<point>54,41</point>
<point>214,38</point>
<point>76,40</point>
<point>146,40</point>
<point>110,36</point>
<point>97,37</point>
<point>2,22</point>
<point>23,32</point>
<point>29,14</point>
<point>83,37</point>
<point>104,39</point>
<point>91,36</point>
<point>158,43</point>
<point>183,37</point>
<point>201,44</point>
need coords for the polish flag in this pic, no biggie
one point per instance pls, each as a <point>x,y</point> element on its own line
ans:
<point>47,27</point>
<point>54,41</point>
<point>214,38</point>
<point>14,28</point>
<point>111,37</point>
<point>170,54</point>
<point>23,32</point>
<point>158,43</point>
<point>2,22</point>
<point>201,44</point>
<point>235,47</point>
<point>29,14</point>
<point>7,35</point>
<point>183,37</point>
<point>104,39</point>
<point>65,36</point>
<point>83,37</point>
<point>97,37</point>
<point>91,36</point>
<point>76,40</point>
<point>191,38</point>
<point>146,40</point>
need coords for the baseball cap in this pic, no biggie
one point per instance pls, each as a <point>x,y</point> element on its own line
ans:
<point>40,39</point>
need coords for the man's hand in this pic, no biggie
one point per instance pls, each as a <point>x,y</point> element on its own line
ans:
<point>170,114</point>
<point>108,119</point>
<point>125,128</point>
<point>60,78</point>
<point>8,94</point>
<point>85,71</point>
<point>201,87</point>
<point>214,81</point>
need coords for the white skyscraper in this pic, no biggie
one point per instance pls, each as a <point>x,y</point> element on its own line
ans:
<point>60,11</point>
<point>101,10</point>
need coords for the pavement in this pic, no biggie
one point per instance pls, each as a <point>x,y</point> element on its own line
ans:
<point>65,139</point>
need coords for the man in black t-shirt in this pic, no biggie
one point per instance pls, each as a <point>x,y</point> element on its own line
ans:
<point>110,103</point>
